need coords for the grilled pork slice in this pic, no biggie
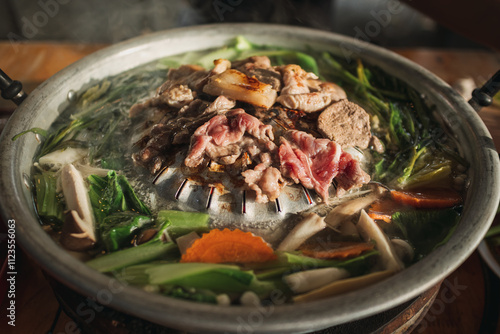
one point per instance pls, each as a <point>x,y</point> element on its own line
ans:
<point>303,91</point>
<point>295,79</point>
<point>308,102</point>
<point>178,91</point>
<point>260,68</point>
<point>316,162</point>
<point>176,128</point>
<point>238,86</point>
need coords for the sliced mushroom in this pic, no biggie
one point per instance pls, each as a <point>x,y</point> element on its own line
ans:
<point>305,229</point>
<point>346,210</point>
<point>403,249</point>
<point>347,228</point>
<point>304,281</point>
<point>343,286</point>
<point>369,230</point>
<point>57,159</point>
<point>75,234</point>
<point>79,226</point>
<point>87,170</point>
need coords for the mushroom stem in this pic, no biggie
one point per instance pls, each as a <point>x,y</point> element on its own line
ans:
<point>345,210</point>
<point>308,227</point>
<point>79,226</point>
<point>369,230</point>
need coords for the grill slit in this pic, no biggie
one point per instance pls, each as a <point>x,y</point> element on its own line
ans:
<point>308,196</point>
<point>210,195</point>
<point>178,192</point>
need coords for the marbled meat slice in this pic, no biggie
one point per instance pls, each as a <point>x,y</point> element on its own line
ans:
<point>316,162</point>
<point>225,137</point>
<point>310,161</point>
<point>350,173</point>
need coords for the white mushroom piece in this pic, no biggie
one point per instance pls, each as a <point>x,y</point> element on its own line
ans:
<point>57,159</point>
<point>78,232</point>
<point>403,249</point>
<point>304,281</point>
<point>346,210</point>
<point>305,229</point>
<point>343,286</point>
<point>370,231</point>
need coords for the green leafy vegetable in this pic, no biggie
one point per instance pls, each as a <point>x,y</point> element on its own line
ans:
<point>179,223</point>
<point>48,201</point>
<point>38,131</point>
<point>198,295</point>
<point>288,262</point>
<point>119,213</point>
<point>113,193</point>
<point>426,230</point>
<point>493,231</point>
<point>213,277</point>
<point>118,230</point>
<point>147,252</point>
<point>241,48</point>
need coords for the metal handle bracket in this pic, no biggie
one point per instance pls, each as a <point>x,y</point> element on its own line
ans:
<point>11,89</point>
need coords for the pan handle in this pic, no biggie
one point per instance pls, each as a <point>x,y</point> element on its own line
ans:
<point>11,89</point>
<point>483,97</point>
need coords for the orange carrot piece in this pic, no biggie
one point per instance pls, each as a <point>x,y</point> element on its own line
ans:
<point>226,246</point>
<point>428,198</point>
<point>384,209</point>
<point>336,250</point>
<point>380,216</point>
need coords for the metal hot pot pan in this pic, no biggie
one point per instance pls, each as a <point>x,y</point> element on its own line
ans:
<point>43,106</point>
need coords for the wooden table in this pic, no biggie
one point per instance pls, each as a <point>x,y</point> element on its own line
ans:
<point>460,304</point>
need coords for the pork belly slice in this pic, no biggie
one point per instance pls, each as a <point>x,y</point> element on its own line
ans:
<point>225,137</point>
<point>260,68</point>
<point>267,182</point>
<point>238,86</point>
<point>316,162</point>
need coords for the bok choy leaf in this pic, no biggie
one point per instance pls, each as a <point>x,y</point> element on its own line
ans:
<point>426,229</point>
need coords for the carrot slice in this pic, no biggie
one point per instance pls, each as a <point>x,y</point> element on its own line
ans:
<point>336,250</point>
<point>380,216</point>
<point>384,209</point>
<point>428,198</point>
<point>226,246</point>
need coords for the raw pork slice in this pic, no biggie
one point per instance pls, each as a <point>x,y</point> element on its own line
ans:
<point>316,162</point>
<point>265,181</point>
<point>225,137</point>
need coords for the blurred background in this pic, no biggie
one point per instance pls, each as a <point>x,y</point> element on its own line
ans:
<point>388,23</point>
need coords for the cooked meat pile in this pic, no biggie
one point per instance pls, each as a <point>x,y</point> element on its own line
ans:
<point>220,114</point>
